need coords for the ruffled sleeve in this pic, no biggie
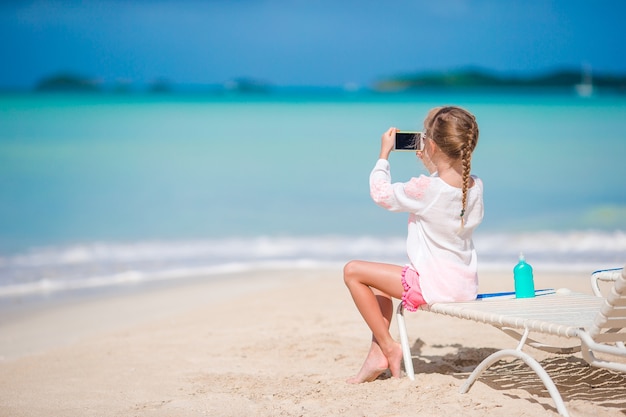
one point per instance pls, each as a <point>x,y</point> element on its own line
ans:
<point>407,196</point>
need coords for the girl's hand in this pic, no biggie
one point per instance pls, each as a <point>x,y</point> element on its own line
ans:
<point>387,143</point>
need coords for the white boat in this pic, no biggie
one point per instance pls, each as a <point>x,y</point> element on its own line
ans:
<point>585,88</point>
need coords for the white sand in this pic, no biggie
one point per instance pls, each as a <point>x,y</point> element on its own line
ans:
<point>279,346</point>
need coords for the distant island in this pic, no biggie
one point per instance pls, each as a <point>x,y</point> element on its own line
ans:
<point>67,82</point>
<point>480,78</point>
<point>468,78</point>
<point>74,83</point>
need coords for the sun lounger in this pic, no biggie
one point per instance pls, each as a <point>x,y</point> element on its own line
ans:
<point>594,322</point>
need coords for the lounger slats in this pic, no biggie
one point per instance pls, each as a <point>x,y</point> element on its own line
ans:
<point>610,309</point>
<point>616,313</point>
<point>610,337</point>
<point>620,284</point>
<point>552,314</point>
<point>620,303</point>
<point>616,298</point>
<point>614,323</point>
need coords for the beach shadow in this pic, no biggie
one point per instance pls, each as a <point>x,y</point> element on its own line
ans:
<point>574,378</point>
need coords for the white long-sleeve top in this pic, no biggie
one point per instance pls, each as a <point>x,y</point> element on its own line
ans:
<point>438,248</point>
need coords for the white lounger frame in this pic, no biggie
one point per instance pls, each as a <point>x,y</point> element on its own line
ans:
<point>596,322</point>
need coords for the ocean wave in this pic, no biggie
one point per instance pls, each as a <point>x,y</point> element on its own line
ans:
<point>136,277</point>
<point>244,249</point>
<point>101,264</point>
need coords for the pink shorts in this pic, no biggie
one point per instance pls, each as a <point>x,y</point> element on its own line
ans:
<point>412,294</point>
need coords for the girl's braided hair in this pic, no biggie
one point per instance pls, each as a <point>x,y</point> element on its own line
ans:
<point>455,132</point>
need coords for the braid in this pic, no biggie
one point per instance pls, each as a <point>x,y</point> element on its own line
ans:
<point>467,166</point>
<point>466,158</point>
<point>455,132</point>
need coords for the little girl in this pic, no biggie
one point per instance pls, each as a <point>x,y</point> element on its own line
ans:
<point>444,209</point>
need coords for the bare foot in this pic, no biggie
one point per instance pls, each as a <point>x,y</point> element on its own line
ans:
<point>394,359</point>
<point>375,364</point>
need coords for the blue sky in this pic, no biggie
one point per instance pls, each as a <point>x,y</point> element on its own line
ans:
<point>303,43</point>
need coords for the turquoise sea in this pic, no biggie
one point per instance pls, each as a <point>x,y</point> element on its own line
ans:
<point>105,190</point>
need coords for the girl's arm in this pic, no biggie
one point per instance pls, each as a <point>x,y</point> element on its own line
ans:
<point>409,197</point>
<point>387,143</point>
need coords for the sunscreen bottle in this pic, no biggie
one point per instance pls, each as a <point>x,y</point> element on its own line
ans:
<point>523,276</point>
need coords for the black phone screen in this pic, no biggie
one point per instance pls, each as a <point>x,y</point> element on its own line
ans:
<point>406,141</point>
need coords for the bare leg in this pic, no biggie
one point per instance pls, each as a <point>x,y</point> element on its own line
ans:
<point>372,285</point>
<point>375,362</point>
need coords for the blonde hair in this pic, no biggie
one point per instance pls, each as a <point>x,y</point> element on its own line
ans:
<point>455,131</point>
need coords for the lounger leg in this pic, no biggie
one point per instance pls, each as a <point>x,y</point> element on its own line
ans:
<point>404,341</point>
<point>528,360</point>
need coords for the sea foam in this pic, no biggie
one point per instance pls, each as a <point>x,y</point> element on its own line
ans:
<point>107,264</point>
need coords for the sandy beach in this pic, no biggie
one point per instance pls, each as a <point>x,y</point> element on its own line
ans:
<point>280,343</point>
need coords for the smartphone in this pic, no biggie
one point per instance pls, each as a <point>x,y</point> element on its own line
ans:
<point>409,141</point>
